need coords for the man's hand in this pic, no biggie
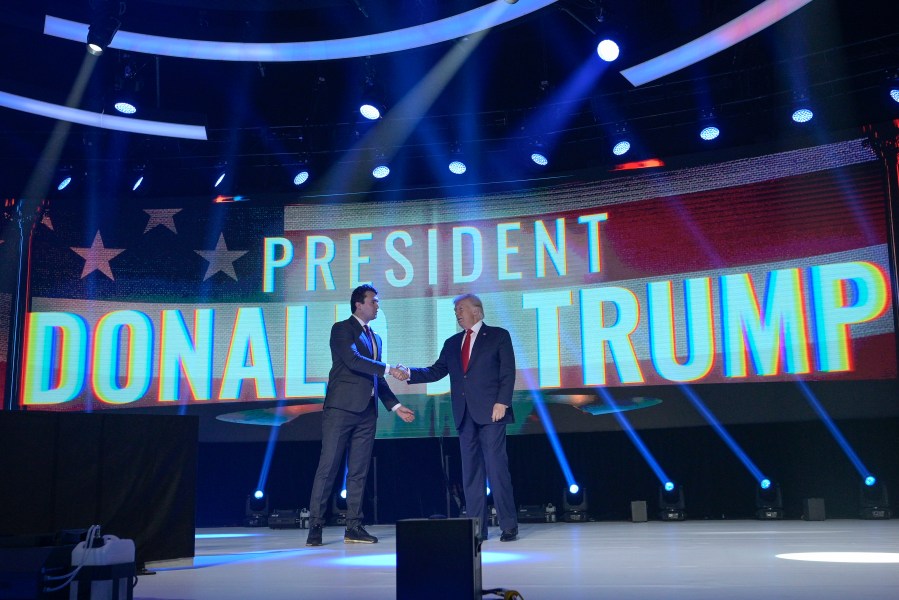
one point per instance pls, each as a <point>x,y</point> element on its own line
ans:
<point>405,414</point>
<point>499,411</point>
<point>400,372</point>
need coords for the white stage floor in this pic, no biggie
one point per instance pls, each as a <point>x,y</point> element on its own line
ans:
<point>696,560</point>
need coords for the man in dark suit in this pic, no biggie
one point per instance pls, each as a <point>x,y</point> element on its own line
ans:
<point>480,361</point>
<point>349,417</point>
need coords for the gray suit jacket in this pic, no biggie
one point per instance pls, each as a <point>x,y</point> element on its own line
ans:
<point>355,370</point>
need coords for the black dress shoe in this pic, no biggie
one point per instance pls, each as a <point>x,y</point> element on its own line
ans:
<point>315,536</point>
<point>358,535</point>
<point>509,535</point>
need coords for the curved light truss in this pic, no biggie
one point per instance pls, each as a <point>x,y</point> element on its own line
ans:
<point>456,26</point>
<point>748,24</point>
<point>84,117</point>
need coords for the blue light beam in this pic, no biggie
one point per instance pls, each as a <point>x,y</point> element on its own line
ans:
<point>635,438</point>
<point>723,434</point>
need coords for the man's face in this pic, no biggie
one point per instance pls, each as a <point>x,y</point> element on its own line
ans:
<point>368,310</point>
<point>467,314</point>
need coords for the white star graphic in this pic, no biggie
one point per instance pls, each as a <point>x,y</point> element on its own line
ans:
<point>221,259</point>
<point>161,216</point>
<point>97,257</point>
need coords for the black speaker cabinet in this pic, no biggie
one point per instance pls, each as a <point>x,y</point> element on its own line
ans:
<point>638,511</point>
<point>438,559</point>
<point>813,509</point>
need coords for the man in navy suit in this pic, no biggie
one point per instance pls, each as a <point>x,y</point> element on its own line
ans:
<point>349,417</point>
<point>480,361</point>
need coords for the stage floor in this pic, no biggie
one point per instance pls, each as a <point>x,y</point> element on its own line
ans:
<point>693,560</point>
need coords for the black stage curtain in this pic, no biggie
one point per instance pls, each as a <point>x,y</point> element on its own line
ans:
<point>135,475</point>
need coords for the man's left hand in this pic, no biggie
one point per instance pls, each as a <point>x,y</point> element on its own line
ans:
<point>405,414</point>
<point>499,411</point>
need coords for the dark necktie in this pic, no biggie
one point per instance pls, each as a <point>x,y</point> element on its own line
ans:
<point>466,350</point>
<point>371,341</point>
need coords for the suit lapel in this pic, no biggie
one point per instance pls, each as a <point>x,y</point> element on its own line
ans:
<point>362,339</point>
<point>478,345</point>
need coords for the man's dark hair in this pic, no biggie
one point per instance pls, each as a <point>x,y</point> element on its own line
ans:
<point>359,295</point>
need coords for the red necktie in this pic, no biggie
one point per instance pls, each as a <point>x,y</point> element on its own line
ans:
<point>466,350</point>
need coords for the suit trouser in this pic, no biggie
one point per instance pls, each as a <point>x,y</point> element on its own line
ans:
<point>342,430</point>
<point>483,450</point>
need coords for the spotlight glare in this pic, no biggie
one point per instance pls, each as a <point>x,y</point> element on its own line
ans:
<point>765,483</point>
<point>137,183</point>
<point>607,50</point>
<point>343,493</point>
<point>94,49</point>
<point>258,494</point>
<point>300,178</point>
<point>669,486</point>
<point>370,112</point>
<point>574,488</point>
<point>803,115</point>
<point>380,172</point>
<point>219,180</point>
<point>64,183</point>
<point>539,159</point>
<point>894,94</point>
<point>458,167</point>
<point>870,480</point>
<point>621,148</point>
<point>125,108</point>
<point>709,133</point>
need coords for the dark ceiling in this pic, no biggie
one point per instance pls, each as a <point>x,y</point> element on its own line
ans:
<point>537,76</point>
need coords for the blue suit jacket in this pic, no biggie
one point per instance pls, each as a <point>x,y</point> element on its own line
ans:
<point>490,378</point>
<point>355,370</point>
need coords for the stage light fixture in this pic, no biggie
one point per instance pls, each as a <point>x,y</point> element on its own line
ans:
<point>64,182</point>
<point>671,502</point>
<point>457,167</point>
<point>608,50</point>
<point>874,501</point>
<point>301,177</point>
<point>574,504</point>
<point>138,178</point>
<point>768,501</point>
<point>380,172</point>
<point>125,107</point>
<point>802,110</point>
<point>371,101</point>
<point>708,125</point>
<point>621,143</point>
<point>104,24</point>
<point>257,509</point>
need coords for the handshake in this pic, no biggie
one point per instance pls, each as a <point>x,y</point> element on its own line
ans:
<point>400,372</point>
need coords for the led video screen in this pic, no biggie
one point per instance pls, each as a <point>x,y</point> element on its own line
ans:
<point>766,269</point>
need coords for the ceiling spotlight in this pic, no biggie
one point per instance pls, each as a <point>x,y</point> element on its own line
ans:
<point>126,108</point>
<point>64,183</point>
<point>621,148</point>
<point>539,159</point>
<point>894,93</point>
<point>301,177</point>
<point>608,50</point>
<point>370,112</point>
<point>802,115</point>
<point>137,183</point>
<point>457,167</point>
<point>220,179</point>
<point>380,172</point>
<point>102,29</point>
<point>709,133</point>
